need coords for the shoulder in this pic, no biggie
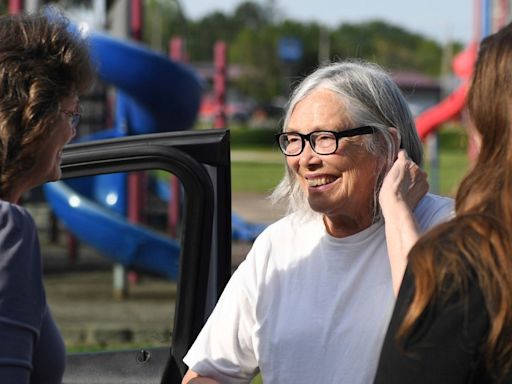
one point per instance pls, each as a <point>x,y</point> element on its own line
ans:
<point>464,234</point>
<point>281,244</point>
<point>21,286</point>
<point>18,232</point>
<point>433,209</point>
<point>14,215</point>
<point>19,247</point>
<point>433,203</point>
<point>292,231</point>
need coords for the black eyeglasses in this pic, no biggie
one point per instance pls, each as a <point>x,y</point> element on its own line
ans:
<point>73,117</point>
<point>322,142</point>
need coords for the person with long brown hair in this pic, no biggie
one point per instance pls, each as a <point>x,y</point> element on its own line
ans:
<point>452,322</point>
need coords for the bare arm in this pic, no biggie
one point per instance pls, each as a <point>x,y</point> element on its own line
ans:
<point>402,189</point>
<point>192,377</point>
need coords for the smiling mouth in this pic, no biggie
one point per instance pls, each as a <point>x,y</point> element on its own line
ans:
<point>319,181</point>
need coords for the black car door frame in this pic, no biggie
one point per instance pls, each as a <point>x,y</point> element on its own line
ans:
<point>201,160</point>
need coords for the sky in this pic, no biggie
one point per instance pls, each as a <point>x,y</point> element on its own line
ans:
<point>442,20</point>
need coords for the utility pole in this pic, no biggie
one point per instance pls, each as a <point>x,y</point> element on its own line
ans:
<point>324,45</point>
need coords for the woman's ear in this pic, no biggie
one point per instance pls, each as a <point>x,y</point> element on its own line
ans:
<point>397,140</point>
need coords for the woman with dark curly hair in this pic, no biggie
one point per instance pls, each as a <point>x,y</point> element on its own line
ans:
<point>44,67</point>
<point>453,318</point>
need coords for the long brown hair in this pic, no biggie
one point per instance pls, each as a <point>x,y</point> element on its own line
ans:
<point>478,242</point>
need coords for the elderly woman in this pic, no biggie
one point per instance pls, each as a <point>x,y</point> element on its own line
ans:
<point>43,69</point>
<point>312,300</point>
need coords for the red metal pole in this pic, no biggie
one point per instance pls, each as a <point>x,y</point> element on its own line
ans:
<point>136,19</point>
<point>219,83</point>
<point>136,180</point>
<point>504,13</point>
<point>174,206</point>
<point>176,49</point>
<point>15,6</point>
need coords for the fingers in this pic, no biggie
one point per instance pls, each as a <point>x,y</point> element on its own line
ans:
<point>405,181</point>
<point>403,156</point>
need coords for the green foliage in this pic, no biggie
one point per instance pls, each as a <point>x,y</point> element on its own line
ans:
<point>391,46</point>
<point>163,19</point>
<point>246,138</point>
<point>257,50</point>
<point>253,30</point>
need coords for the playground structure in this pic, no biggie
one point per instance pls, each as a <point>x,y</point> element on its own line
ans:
<point>155,94</point>
<point>134,361</point>
<point>489,17</point>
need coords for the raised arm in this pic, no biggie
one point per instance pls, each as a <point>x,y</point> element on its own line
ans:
<point>402,189</point>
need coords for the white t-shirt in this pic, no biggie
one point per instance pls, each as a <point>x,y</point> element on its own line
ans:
<point>305,307</point>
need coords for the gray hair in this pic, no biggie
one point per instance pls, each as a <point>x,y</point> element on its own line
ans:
<point>371,97</point>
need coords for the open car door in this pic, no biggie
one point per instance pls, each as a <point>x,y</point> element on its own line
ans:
<point>201,160</point>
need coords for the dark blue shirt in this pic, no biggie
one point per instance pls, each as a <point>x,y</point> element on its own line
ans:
<point>31,348</point>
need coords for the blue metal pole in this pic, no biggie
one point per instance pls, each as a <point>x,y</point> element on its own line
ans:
<point>486,18</point>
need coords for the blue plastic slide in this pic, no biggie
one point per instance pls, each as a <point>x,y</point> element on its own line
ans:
<point>244,230</point>
<point>157,94</point>
<point>111,234</point>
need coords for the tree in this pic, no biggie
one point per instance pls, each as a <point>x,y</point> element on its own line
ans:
<point>253,32</point>
<point>251,15</point>
<point>163,19</point>
<point>388,45</point>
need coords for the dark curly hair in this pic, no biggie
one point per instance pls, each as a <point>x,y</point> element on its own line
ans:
<point>42,61</point>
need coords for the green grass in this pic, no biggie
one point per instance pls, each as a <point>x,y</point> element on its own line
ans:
<point>255,177</point>
<point>452,168</point>
<point>453,160</point>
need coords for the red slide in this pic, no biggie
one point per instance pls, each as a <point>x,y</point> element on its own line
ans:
<point>450,107</point>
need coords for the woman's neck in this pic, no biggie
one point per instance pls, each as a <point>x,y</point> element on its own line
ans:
<point>345,226</point>
<point>13,196</point>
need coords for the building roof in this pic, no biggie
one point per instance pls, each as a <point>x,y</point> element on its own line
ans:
<point>415,80</point>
